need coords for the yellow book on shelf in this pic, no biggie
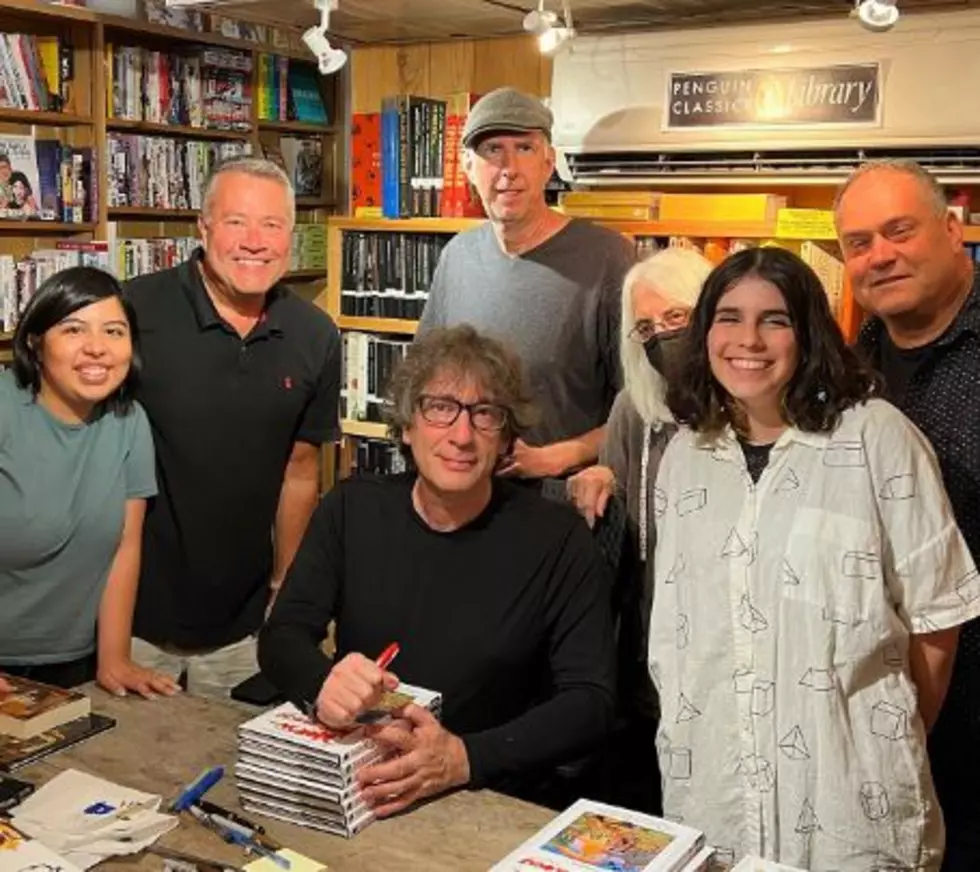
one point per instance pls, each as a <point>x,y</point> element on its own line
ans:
<point>648,199</point>
<point>47,49</point>
<point>719,208</point>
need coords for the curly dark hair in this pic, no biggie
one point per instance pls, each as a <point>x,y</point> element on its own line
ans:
<point>462,351</point>
<point>830,376</point>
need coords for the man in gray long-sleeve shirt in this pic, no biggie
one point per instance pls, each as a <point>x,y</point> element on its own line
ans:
<point>547,285</point>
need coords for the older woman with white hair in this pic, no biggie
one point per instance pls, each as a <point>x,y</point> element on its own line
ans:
<point>658,296</point>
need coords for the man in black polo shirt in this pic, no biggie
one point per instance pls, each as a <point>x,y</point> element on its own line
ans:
<point>904,254</point>
<point>240,382</point>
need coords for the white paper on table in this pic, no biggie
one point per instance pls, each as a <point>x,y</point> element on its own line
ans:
<point>86,819</point>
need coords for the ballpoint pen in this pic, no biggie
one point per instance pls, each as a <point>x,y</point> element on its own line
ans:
<point>197,788</point>
<point>385,657</point>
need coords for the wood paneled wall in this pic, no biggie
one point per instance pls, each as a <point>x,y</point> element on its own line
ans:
<point>437,69</point>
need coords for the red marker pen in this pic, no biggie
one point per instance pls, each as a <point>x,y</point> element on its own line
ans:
<point>386,656</point>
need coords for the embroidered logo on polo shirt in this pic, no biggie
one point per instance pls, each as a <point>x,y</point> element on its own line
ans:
<point>287,383</point>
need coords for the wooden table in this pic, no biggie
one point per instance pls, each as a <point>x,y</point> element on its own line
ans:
<point>161,745</point>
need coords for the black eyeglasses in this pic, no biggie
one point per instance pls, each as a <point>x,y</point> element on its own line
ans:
<point>443,412</point>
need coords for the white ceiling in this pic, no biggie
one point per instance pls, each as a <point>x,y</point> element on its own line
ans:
<point>423,20</point>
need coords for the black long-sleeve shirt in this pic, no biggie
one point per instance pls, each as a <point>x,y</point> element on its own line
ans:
<point>508,618</point>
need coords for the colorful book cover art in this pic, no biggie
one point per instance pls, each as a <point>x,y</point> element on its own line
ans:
<point>28,699</point>
<point>365,161</point>
<point>15,753</point>
<point>603,842</point>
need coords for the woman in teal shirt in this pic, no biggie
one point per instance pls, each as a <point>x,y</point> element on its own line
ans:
<point>76,469</point>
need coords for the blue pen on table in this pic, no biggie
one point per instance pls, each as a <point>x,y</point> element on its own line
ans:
<point>237,837</point>
<point>197,788</point>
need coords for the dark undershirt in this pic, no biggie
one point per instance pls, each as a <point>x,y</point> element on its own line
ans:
<point>898,366</point>
<point>756,458</point>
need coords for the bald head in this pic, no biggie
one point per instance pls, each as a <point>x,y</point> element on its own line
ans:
<point>903,249</point>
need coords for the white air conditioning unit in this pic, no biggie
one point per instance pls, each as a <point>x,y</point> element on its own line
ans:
<point>617,124</point>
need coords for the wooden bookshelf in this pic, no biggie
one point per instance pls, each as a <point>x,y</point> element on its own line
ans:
<point>52,119</point>
<point>151,213</point>
<point>33,228</point>
<point>177,131</point>
<point>296,127</point>
<point>377,325</point>
<point>406,225</point>
<point>304,274</point>
<point>365,429</point>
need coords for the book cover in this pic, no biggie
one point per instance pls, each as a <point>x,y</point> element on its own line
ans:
<point>16,753</point>
<point>19,188</point>
<point>590,836</point>
<point>18,853</point>
<point>31,708</point>
<point>365,161</point>
<point>288,725</point>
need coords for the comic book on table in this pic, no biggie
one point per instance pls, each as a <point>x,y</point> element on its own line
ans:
<point>591,836</point>
<point>295,769</point>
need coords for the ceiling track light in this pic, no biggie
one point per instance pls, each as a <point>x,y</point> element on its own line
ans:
<point>876,15</point>
<point>329,59</point>
<point>552,32</point>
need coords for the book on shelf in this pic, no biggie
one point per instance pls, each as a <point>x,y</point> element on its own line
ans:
<point>412,156</point>
<point>17,753</point>
<point>388,275</point>
<point>46,180</point>
<point>204,87</point>
<point>31,72</point>
<point>611,205</point>
<point>32,707</point>
<point>293,768</point>
<point>367,362</point>
<point>303,160</point>
<point>365,163</point>
<point>377,457</point>
<point>592,835</point>
<point>21,276</point>
<point>160,172</point>
<point>309,247</point>
<point>459,199</point>
<point>304,100</point>
<point>19,853</point>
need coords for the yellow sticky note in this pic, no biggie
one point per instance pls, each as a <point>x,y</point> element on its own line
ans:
<point>805,224</point>
<point>297,863</point>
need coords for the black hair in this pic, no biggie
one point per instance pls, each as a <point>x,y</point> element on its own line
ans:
<point>829,378</point>
<point>5,158</point>
<point>57,298</point>
<point>18,176</point>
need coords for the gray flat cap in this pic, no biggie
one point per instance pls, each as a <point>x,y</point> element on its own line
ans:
<point>507,109</point>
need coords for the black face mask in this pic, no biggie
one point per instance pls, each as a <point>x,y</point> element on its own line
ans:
<point>662,349</point>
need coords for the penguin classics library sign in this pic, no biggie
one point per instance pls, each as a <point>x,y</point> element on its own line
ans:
<point>805,97</point>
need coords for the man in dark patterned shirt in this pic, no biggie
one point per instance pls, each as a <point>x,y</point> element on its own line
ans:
<point>903,251</point>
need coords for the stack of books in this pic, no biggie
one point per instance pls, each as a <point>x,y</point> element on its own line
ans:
<point>592,835</point>
<point>38,719</point>
<point>292,768</point>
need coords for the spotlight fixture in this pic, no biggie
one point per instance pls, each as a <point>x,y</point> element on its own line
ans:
<point>552,32</point>
<point>330,59</point>
<point>539,21</point>
<point>876,15</point>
